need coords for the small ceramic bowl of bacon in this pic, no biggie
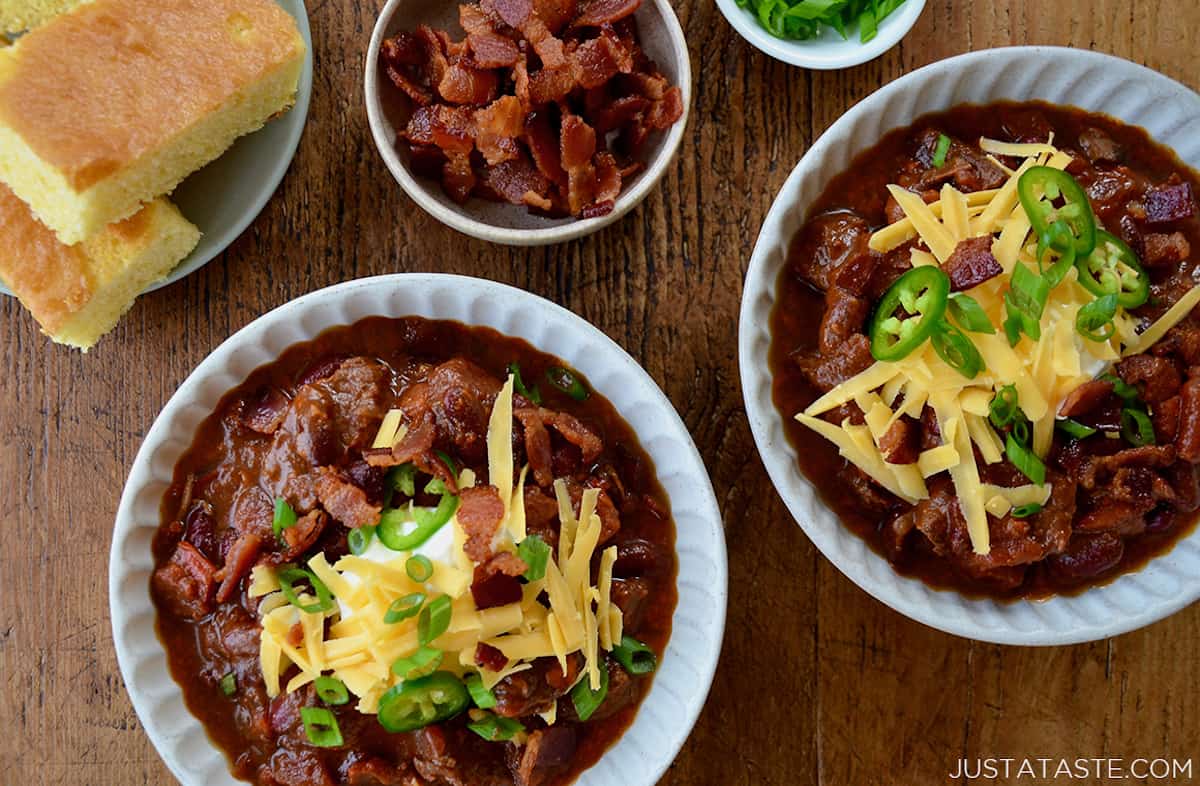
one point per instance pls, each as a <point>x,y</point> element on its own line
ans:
<point>528,122</point>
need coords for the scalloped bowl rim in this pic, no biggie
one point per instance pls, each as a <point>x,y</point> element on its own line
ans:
<point>1132,600</point>
<point>687,669</point>
<point>829,51</point>
<point>420,191</point>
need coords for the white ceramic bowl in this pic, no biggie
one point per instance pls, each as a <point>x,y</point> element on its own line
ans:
<point>829,50</point>
<point>1095,82</point>
<point>224,197</point>
<point>662,40</point>
<point>683,679</point>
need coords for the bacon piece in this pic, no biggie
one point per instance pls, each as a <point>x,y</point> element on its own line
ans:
<point>608,179</point>
<point>595,62</point>
<point>492,588</point>
<point>557,14</point>
<point>462,84</point>
<point>436,62</point>
<point>301,536</point>
<point>576,433</point>
<point>547,47</point>
<point>492,50</point>
<point>594,13</point>
<point>497,129</point>
<point>238,562</point>
<point>458,177</point>
<point>537,445</point>
<point>474,20</point>
<point>480,512</point>
<point>488,657</point>
<point>578,145</point>
<point>446,127</point>
<point>610,116</point>
<point>511,180</point>
<point>665,112</point>
<point>343,500</point>
<point>513,13</point>
<point>901,443</point>
<point>418,94</point>
<point>543,147</point>
<point>550,85</point>
<point>972,263</point>
<point>597,209</point>
<point>1171,201</point>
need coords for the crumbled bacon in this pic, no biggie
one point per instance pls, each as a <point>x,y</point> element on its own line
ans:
<point>480,512</point>
<point>544,103</point>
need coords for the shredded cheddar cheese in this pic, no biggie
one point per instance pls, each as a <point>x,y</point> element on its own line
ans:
<point>1044,371</point>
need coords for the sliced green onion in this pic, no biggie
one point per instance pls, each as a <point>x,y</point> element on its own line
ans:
<point>535,553</point>
<point>403,479</point>
<point>321,727</point>
<point>1025,460</point>
<point>969,314</point>
<point>634,656</point>
<point>1018,321</point>
<point>1094,321</point>
<point>1074,428</point>
<point>1136,427</point>
<point>422,662</point>
<point>568,382</point>
<point>404,608</point>
<point>434,620</point>
<point>956,350</point>
<point>1020,430</point>
<point>484,699</point>
<point>229,684</point>
<point>494,728</point>
<point>419,568</point>
<point>359,540</point>
<point>533,395</point>
<point>284,517</point>
<point>1004,408</point>
<point>1029,290</point>
<point>288,577</point>
<point>941,151</point>
<point>331,690</point>
<point>1025,511</point>
<point>586,700</point>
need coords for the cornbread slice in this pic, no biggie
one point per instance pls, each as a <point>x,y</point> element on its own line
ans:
<point>19,15</point>
<point>77,293</point>
<point>115,102</point>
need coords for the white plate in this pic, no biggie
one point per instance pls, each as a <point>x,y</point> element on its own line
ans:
<point>1095,82</point>
<point>666,716</point>
<point>828,50</point>
<point>662,40</point>
<point>224,197</point>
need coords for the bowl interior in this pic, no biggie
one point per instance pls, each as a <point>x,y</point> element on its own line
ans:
<point>390,109</point>
<point>681,684</point>
<point>1090,81</point>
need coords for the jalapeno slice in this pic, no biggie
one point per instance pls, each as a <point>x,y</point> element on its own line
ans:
<point>909,312</point>
<point>1058,209</point>
<point>415,704</point>
<point>1113,269</point>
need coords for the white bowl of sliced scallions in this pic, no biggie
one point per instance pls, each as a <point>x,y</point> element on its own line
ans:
<point>822,34</point>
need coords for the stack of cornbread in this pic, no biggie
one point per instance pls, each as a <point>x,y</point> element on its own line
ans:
<point>104,109</point>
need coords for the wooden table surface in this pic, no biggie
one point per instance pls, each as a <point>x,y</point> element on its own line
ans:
<point>819,683</point>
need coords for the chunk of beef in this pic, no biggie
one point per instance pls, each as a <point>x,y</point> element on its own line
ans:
<point>360,391</point>
<point>303,535</point>
<point>1157,379</point>
<point>297,767</point>
<point>630,596</point>
<point>455,756</point>
<point>827,242</point>
<point>541,516</point>
<point>845,315</point>
<point>459,396</point>
<point>1165,418</point>
<point>480,512</point>
<point>530,692</point>
<point>638,557</point>
<point>1099,147</point>
<point>1123,518</point>
<point>344,501</point>
<point>1096,470</point>
<point>901,443</point>
<point>1110,190</point>
<point>1086,398</point>
<point>890,267</point>
<point>972,263</point>
<point>1161,250</point>
<point>417,448</point>
<point>547,753</point>
<point>263,412</point>
<point>1171,201</point>
<point>375,771</point>
<point>872,496</point>
<point>826,372</point>
<point>184,584</point>
<point>1181,341</point>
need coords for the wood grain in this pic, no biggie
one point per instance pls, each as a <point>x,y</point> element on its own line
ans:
<point>819,684</point>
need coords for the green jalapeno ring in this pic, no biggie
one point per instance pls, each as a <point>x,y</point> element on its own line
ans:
<point>415,704</point>
<point>923,294</point>
<point>1113,269</point>
<point>1038,188</point>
